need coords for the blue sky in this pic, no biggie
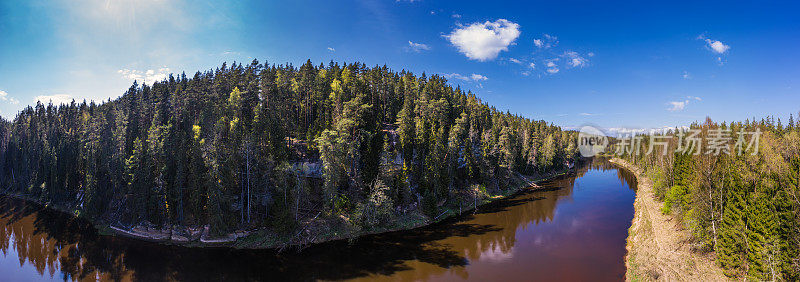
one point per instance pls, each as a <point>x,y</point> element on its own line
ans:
<point>625,64</point>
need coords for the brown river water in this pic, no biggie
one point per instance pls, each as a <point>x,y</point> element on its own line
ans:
<point>572,229</point>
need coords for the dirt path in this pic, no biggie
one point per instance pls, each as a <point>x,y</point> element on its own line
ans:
<point>658,247</point>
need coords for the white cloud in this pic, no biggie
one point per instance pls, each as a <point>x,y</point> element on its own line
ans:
<point>547,41</point>
<point>456,16</point>
<point>472,77</point>
<point>578,62</point>
<point>456,76</point>
<point>677,105</point>
<point>148,76</point>
<point>686,75</point>
<point>417,47</point>
<point>4,97</point>
<point>478,77</point>
<point>551,66</point>
<point>532,65</point>
<point>331,49</point>
<point>574,59</point>
<point>717,46</point>
<point>56,99</point>
<point>484,41</point>
<point>130,74</point>
<point>514,61</point>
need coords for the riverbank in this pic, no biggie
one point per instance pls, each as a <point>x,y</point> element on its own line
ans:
<point>657,244</point>
<point>311,231</point>
<point>323,230</point>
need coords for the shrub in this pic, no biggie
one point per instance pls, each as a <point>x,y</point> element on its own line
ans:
<point>677,197</point>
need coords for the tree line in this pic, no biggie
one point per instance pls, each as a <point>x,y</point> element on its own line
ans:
<point>744,206</point>
<point>269,146</point>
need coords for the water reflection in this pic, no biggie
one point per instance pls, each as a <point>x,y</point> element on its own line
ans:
<point>576,224</point>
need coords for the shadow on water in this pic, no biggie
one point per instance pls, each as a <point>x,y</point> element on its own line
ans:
<point>60,246</point>
<point>31,230</point>
<point>75,240</point>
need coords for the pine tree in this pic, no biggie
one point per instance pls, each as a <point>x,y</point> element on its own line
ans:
<point>732,246</point>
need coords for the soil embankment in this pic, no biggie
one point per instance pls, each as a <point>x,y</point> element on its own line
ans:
<point>658,246</point>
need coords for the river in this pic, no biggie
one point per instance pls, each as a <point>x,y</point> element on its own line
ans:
<point>572,228</point>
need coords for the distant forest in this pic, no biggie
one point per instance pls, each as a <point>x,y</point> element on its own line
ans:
<point>745,207</point>
<point>263,146</point>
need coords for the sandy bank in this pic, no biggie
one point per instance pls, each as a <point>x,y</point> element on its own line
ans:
<point>658,246</point>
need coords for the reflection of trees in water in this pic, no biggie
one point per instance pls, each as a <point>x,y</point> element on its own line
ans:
<point>530,207</point>
<point>52,241</point>
<point>625,176</point>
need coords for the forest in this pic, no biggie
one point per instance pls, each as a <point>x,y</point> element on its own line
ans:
<point>742,204</point>
<point>271,147</point>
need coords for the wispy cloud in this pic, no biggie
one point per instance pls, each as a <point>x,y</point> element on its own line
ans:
<point>675,106</point>
<point>716,47</point>
<point>4,97</point>
<point>417,47</point>
<point>484,41</point>
<point>574,59</point>
<point>686,75</point>
<point>478,77</point>
<point>551,59</point>
<point>56,99</point>
<point>330,49</point>
<point>472,77</point>
<point>547,41</point>
<point>551,66</point>
<point>148,76</point>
